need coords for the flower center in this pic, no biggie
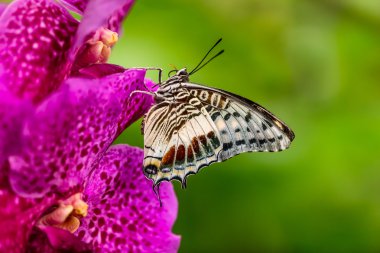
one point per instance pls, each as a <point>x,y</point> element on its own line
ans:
<point>97,49</point>
<point>67,215</point>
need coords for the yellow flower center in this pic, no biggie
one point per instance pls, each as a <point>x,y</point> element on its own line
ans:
<point>97,49</point>
<point>66,215</point>
<point>106,36</point>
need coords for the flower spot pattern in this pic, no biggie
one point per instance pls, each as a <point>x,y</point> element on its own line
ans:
<point>124,214</point>
<point>64,137</point>
<point>35,39</point>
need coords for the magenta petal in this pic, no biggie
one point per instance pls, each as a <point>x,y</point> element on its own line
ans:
<point>124,212</point>
<point>75,5</point>
<point>136,105</point>
<point>114,16</point>
<point>35,37</point>
<point>55,240</point>
<point>38,242</point>
<point>124,82</point>
<point>17,219</point>
<point>13,113</point>
<point>65,136</point>
<point>100,13</point>
<point>2,7</point>
<point>100,70</point>
<point>115,20</point>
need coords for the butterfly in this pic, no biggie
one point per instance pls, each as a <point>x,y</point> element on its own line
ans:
<point>191,126</point>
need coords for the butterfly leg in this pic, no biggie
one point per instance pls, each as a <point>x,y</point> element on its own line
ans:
<point>159,73</point>
<point>141,91</point>
<point>184,183</point>
<point>156,190</point>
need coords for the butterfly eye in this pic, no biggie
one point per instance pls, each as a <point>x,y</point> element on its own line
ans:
<point>150,170</point>
<point>182,72</point>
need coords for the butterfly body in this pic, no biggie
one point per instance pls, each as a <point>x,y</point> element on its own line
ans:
<point>191,126</point>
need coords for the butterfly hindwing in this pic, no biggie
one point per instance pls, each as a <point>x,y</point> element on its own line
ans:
<point>184,140</point>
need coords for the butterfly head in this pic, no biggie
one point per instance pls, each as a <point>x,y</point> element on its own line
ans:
<point>181,76</point>
<point>182,73</point>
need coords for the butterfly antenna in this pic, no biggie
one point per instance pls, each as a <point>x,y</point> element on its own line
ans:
<point>209,51</point>
<point>204,64</point>
<point>156,190</point>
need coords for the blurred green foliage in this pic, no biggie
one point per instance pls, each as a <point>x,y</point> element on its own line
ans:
<point>316,65</point>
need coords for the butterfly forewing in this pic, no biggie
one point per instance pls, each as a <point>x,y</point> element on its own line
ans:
<point>201,125</point>
<point>242,124</point>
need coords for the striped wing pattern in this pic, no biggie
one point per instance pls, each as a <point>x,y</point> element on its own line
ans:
<point>178,143</point>
<point>202,125</point>
<point>244,126</point>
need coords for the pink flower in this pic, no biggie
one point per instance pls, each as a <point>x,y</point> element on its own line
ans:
<point>41,43</point>
<point>61,107</point>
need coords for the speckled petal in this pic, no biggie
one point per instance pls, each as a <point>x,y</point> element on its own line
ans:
<point>2,7</point>
<point>55,240</point>
<point>68,132</point>
<point>115,21</point>
<point>100,13</point>
<point>17,219</point>
<point>100,70</point>
<point>75,5</point>
<point>13,112</point>
<point>124,213</point>
<point>35,37</point>
<point>124,82</point>
<point>136,105</point>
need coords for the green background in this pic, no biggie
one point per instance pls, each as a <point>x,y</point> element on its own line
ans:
<point>316,65</point>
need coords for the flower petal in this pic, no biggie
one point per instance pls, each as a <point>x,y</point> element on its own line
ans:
<point>54,240</point>
<point>35,37</point>
<point>124,82</point>
<point>67,133</point>
<point>100,13</point>
<point>13,112</point>
<point>2,7</point>
<point>100,70</point>
<point>137,104</point>
<point>75,5</point>
<point>17,219</point>
<point>114,18</point>
<point>124,213</point>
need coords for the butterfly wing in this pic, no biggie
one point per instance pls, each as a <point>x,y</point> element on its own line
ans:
<point>210,125</point>
<point>244,125</point>
<point>179,139</point>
